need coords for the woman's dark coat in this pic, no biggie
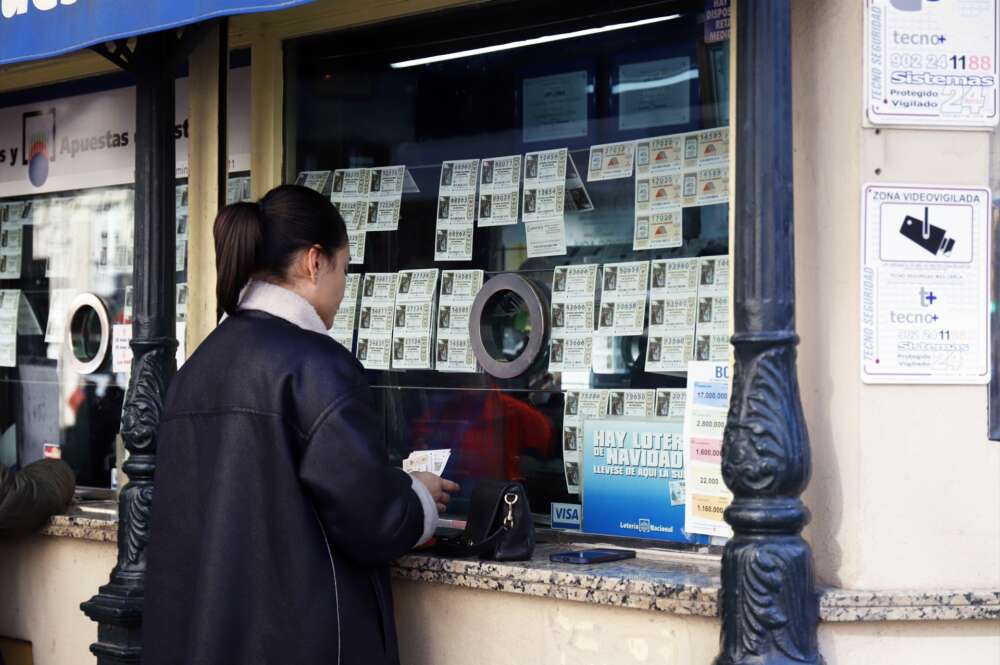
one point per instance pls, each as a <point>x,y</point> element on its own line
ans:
<point>275,512</point>
<point>31,496</point>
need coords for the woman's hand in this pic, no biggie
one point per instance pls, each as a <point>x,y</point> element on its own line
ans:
<point>438,487</point>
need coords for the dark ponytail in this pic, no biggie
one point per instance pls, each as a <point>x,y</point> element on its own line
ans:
<point>263,238</point>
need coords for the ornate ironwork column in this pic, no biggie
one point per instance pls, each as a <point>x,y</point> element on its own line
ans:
<point>769,603</point>
<point>117,607</point>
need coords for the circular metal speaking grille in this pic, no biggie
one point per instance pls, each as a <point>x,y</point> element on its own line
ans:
<point>88,333</point>
<point>484,337</point>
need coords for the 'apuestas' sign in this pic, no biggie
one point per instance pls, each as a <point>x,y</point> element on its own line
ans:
<point>36,29</point>
<point>89,140</point>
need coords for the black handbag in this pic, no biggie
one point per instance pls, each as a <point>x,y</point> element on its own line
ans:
<point>499,525</point>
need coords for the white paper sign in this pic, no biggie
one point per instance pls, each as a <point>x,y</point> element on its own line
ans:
<point>925,297</point>
<point>929,62</point>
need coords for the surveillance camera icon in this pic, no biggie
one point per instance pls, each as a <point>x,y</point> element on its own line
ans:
<point>932,238</point>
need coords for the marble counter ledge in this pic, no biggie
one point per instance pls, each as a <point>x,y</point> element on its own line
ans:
<point>680,586</point>
<point>95,521</point>
<point>839,605</point>
<point>685,586</point>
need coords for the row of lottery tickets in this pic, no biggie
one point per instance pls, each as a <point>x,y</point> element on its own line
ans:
<point>672,172</point>
<point>407,320</point>
<point>688,313</point>
<point>580,404</point>
<point>94,227</point>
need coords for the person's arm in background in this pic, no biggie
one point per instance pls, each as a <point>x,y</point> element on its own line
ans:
<point>29,497</point>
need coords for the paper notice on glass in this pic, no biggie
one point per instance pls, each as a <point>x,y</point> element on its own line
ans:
<point>10,300</point>
<point>673,312</point>
<point>611,160</point>
<point>675,276</point>
<point>345,320</point>
<point>659,230</point>
<point>713,275</point>
<point>354,212</point>
<point>704,423</point>
<point>238,189</point>
<point>577,197</point>
<point>411,351</point>
<point>456,211</point>
<point>412,318</point>
<point>453,244</point>
<point>356,241</point>
<point>670,403</point>
<point>180,254</point>
<point>458,177</point>
<point>383,214</point>
<point>667,352</point>
<point>631,403</point>
<point>660,193</point>
<point>711,347</point>
<point>457,201</point>
<point>350,184</point>
<point>713,146</point>
<point>572,318</point>
<point>59,302</point>
<point>545,167</point>
<point>18,212</point>
<point>317,180</point>
<point>430,461</point>
<point>499,190</point>
<point>121,351</point>
<point>655,93</point>
<point>555,107</point>
<point>659,155</point>
<point>416,285</point>
<point>544,203</point>
<point>546,238</point>
<point>706,186</point>
<point>386,181</point>
<point>11,237</point>
<point>578,405</point>
<point>623,298</point>
<point>376,319</point>
<point>454,349</point>
<point>713,314</point>
<point>180,331</point>
<point>180,301</point>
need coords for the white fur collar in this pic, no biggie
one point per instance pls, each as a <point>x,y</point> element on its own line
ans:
<point>282,303</point>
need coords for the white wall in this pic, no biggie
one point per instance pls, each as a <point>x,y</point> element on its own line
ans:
<point>905,490</point>
<point>442,625</point>
<point>43,580</point>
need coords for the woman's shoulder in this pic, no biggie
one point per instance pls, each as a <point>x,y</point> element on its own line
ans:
<point>261,358</point>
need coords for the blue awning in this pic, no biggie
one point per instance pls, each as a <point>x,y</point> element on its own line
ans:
<point>36,29</point>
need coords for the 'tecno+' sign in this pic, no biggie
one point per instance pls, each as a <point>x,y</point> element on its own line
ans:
<point>925,284</point>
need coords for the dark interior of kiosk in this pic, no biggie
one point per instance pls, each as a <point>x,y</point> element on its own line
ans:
<point>347,106</point>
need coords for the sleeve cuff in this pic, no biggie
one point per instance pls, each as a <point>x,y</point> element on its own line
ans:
<point>430,510</point>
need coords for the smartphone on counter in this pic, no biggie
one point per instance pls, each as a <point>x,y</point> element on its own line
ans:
<point>591,556</point>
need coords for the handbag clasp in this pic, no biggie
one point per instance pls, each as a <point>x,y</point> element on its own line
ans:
<point>510,498</point>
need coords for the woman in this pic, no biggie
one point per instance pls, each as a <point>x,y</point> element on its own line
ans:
<point>276,511</point>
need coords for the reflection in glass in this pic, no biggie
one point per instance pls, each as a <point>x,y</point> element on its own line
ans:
<point>508,323</point>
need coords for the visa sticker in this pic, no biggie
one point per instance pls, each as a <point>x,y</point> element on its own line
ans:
<point>565,515</point>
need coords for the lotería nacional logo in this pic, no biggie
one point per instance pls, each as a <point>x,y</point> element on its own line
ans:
<point>38,140</point>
